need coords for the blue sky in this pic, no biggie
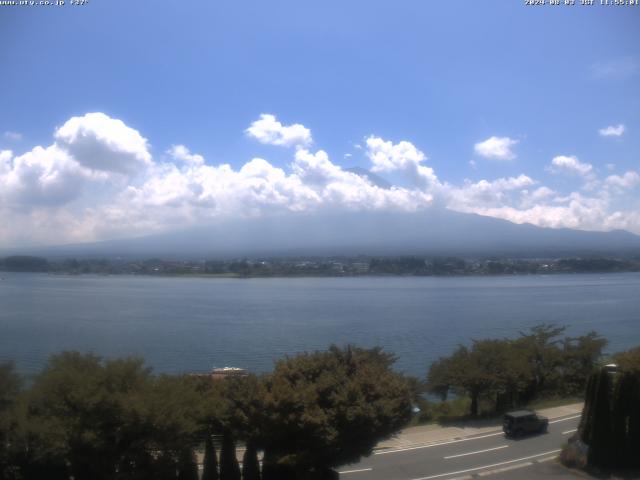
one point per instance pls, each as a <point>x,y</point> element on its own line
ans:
<point>444,77</point>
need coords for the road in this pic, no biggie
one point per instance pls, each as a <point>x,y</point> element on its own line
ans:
<point>463,457</point>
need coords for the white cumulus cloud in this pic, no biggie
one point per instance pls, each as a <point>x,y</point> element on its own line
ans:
<point>62,193</point>
<point>102,143</point>
<point>268,130</point>
<point>403,157</point>
<point>485,193</point>
<point>612,131</point>
<point>570,165</point>
<point>41,177</point>
<point>182,154</point>
<point>498,148</point>
<point>630,179</point>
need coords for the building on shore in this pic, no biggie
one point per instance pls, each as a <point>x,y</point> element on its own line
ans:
<point>222,373</point>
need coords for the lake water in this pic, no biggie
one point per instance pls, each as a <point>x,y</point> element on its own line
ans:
<point>181,324</point>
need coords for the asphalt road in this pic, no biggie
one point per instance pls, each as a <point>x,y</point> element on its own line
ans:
<point>463,457</point>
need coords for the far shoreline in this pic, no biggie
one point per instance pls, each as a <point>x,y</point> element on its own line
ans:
<point>231,276</point>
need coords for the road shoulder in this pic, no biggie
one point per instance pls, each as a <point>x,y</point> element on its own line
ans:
<point>415,437</point>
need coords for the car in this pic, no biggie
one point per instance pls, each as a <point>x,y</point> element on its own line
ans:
<point>522,422</point>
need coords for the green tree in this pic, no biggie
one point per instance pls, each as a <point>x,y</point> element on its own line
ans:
<point>440,378</point>
<point>106,417</point>
<point>89,406</point>
<point>210,462</point>
<point>241,407</point>
<point>172,409</point>
<point>586,419</point>
<point>540,346</point>
<point>329,408</point>
<point>626,409</point>
<point>229,468</point>
<point>470,371</point>
<point>187,465</point>
<point>629,361</point>
<point>600,438</point>
<point>579,356</point>
<point>250,465</point>
<point>242,418</point>
<point>164,467</point>
<point>511,370</point>
<point>515,371</point>
<point>10,386</point>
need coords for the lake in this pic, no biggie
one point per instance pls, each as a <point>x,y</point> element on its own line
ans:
<point>181,324</point>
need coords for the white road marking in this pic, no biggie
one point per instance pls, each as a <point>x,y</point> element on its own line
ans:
<point>355,471</point>
<point>570,431</point>
<point>437,444</point>
<point>568,418</point>
<point>397,450</point>
<point>487,466</point>
<point>504,469</point>
<point>473,453</point>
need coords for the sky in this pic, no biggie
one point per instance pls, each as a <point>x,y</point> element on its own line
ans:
<point>122,119</point>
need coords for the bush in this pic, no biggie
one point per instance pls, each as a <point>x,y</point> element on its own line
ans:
<point>572,456</point>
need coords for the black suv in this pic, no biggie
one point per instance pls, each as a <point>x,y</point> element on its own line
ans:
<point>520,422</point>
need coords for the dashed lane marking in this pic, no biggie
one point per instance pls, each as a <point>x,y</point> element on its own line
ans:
<point>487,466</point>
<point>479,451</point>
<point>563,419</point>
<point>355,471</point>
<point>437,444</point>
<point>467,439</point>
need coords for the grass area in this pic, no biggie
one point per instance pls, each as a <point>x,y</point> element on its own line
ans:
<point>553,402</point>
<point>457,409</point>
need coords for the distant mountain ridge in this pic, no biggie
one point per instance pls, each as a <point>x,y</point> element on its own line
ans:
<point>428,232</point>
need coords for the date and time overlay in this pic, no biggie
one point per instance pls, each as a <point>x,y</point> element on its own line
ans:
<point>532,3</point>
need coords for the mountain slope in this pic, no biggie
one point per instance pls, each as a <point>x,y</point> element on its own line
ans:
<point>437,232</point>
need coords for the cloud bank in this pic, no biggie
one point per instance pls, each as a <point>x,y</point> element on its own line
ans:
<point>99,180</point>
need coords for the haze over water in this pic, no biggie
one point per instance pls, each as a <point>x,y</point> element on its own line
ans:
<point>192,324</point>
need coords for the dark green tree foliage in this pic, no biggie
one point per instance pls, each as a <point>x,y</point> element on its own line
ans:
<point>90,406</point>
<point>490,368</point>
<point>600,440</point>
<point>540,347</point>
<point>578,357</point>
<point>510,372</point>
<point>241,409</point>
<point>626,409</point>
<point>210,462</point>
<point>440,377</point>
<point>626,401</point>
<point>172,410</point>
<point>250,464</point>
<point>9,390</point>
<point>586,419</point>
<point>94,419</point>
<point>629,361</point>
<point>164,467</point>
<point>269,465</point>
<point>229,468</point>
<point>330,408</point>
<point>187,465</point>
<point>274,468</point>
<point>610,422</point>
